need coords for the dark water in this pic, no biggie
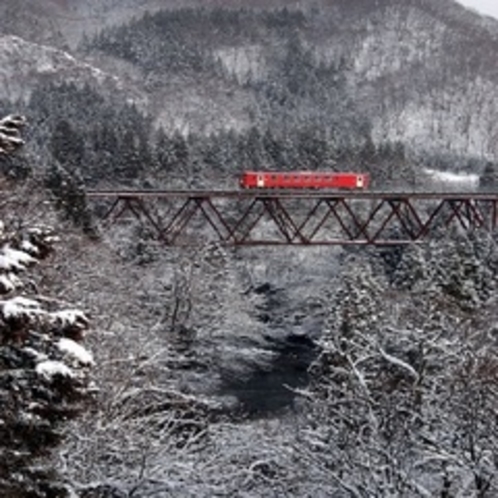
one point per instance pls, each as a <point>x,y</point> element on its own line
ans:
<point>269,390</point>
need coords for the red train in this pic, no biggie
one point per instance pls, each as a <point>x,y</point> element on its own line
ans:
<point>304,179</point>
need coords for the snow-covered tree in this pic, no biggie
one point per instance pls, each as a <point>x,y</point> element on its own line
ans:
<point>43,367</point>
<point>402,394</point>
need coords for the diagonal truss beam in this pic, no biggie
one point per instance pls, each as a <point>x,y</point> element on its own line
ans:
<point>297,218</point>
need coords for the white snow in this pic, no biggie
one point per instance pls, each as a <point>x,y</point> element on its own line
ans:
<point>50,368</point>
<point>456,179</point>
<point>400,363</point>
<point>29,247</point>
<point>9,282</point>
<point>13,259</point>
<point>36,354</point>
<point>76,351</point>
<point>70,318</point>
<point>18,306</point>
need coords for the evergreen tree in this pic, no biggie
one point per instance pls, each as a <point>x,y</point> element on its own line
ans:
<point>253,145</point>
<point>43,368</point>
<point>488,180</point>
<point>70,196</point>
<point>312,149</point>
<point>42,379</point>
<point>180,149</point>
<point>274,150</point>
<point>164,152</point>
<point>67,146</point>
<point>12,165</point>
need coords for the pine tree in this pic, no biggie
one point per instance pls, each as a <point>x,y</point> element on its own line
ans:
<point>488,181</point>
<point>43,368</point>
<point>69,194</point>
<point>67,146</point>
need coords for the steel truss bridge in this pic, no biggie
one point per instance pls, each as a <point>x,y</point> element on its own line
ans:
<point>300,218</point>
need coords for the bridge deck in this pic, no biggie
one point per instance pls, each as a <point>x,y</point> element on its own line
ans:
<point>290,194</point>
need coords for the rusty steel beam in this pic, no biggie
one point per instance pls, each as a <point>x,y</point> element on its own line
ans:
<point>274,217</point>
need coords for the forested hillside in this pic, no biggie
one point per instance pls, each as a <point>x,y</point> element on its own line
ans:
<point>387,87</point>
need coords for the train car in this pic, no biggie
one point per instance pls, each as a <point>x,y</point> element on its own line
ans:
<point>304,179</point>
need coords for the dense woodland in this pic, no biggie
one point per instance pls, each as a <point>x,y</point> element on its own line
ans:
<point>317,372</point>
<point>105,145</point>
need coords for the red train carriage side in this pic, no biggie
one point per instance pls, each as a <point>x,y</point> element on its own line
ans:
<point>304,179</point>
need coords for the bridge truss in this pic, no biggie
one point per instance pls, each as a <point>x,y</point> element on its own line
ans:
<point>309,218</point>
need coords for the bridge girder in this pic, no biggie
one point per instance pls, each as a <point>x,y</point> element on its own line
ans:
<point>251,218</point>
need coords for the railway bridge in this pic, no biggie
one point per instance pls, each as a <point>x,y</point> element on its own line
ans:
<point>296,218</point>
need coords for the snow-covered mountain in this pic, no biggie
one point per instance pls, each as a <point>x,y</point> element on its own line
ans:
<point>422,71</point>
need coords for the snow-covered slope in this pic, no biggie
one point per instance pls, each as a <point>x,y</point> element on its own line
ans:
<point>422,71</point>
<point>24,64</point>
<point>429,78</point>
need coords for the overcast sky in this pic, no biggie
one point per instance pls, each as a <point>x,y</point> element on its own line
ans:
<point>488,7</point>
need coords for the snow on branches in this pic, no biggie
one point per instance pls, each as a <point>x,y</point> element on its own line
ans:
<point>10,133</point>
<point>19,251</point>
<point>43,368</point>
<point>20,316</point>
